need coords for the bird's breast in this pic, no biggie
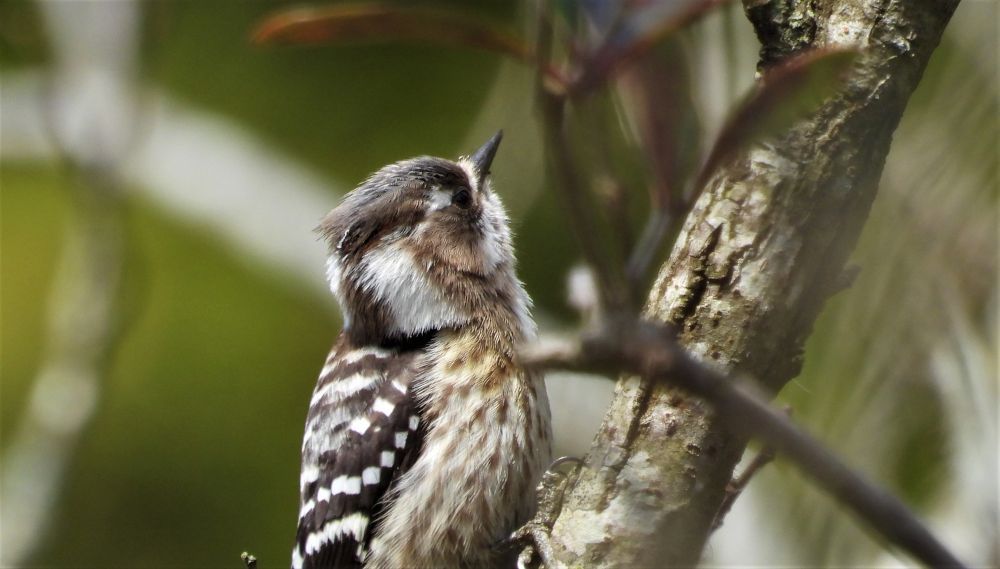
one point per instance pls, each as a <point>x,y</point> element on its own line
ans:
<point>487,445</point>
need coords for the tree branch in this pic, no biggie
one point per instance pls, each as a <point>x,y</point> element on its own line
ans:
<point>652,352</point>
<point>762,250</point>
<point>739,483</point>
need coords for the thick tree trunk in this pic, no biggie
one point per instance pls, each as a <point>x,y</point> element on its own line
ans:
<point>763,249</point>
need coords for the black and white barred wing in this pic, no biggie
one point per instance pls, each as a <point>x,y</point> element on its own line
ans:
<point>363,431</point>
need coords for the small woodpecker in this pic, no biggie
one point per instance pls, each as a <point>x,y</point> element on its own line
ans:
<point>425,436</point>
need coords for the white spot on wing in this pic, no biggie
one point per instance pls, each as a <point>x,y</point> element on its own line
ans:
<point>327,368</point>
<point>400,439</point>
<point>323,495</point>
<point>337,486</point>
<point>371,475</point>
<point>388,458</point>
<point>306,508</point>
<point>314,542</point>
<point>353,525</point>
<point>382,406</point>
<point>352,486</point>
<point>360,425</point>
<point>355,355</point>
<point>345,484</point>
<point>399,386</point>
<point>343,388</point>
<point>414,422</point>
<point>309,474</point>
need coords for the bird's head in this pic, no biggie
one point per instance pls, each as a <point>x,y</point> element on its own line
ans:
<point>421,245</point>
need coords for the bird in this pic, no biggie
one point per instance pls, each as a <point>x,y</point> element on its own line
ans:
<point>425,435</point>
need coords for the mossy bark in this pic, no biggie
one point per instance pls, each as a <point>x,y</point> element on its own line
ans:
<point>764,247</point>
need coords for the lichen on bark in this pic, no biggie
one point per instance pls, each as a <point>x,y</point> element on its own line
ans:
<point>761,251</point>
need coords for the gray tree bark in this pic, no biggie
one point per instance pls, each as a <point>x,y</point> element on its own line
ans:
<point>763,249</point>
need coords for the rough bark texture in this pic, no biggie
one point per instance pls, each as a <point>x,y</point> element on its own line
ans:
<point>763,249</point>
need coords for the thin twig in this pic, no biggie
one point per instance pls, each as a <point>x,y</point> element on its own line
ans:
<point>651,351</point>
<point>738,484</point>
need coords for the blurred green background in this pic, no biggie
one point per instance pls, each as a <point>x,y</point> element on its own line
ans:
<point>235,151</point>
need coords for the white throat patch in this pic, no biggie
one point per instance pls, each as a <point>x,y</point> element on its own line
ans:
<point>391,275</point>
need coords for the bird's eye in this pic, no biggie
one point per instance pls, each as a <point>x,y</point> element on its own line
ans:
<point>462,198</point>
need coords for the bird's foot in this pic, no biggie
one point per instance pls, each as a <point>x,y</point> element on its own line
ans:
<point>533,537</point>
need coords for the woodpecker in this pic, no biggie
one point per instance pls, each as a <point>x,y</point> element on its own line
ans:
<point>425,437</point>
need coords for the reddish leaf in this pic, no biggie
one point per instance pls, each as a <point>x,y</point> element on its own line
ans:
<point>375,22</point>
<point>784,95</point>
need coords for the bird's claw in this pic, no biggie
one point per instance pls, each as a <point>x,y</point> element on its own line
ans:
<point>534,535</point>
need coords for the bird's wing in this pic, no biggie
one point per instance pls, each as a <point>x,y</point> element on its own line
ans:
<point>363,432</point>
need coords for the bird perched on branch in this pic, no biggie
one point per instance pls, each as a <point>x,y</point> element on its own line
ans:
<point>425,437</point>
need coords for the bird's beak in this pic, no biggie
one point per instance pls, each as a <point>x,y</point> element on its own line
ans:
<point>483,157</point>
